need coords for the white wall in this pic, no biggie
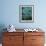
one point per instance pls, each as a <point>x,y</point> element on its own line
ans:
<point>10,13</point>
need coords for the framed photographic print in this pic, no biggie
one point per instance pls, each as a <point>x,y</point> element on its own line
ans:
<point>26,13</point>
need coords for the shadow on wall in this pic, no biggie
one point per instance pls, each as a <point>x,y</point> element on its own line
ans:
<point>2,27</point>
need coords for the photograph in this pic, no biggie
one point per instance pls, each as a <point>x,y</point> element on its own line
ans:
<point>26,13</point>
